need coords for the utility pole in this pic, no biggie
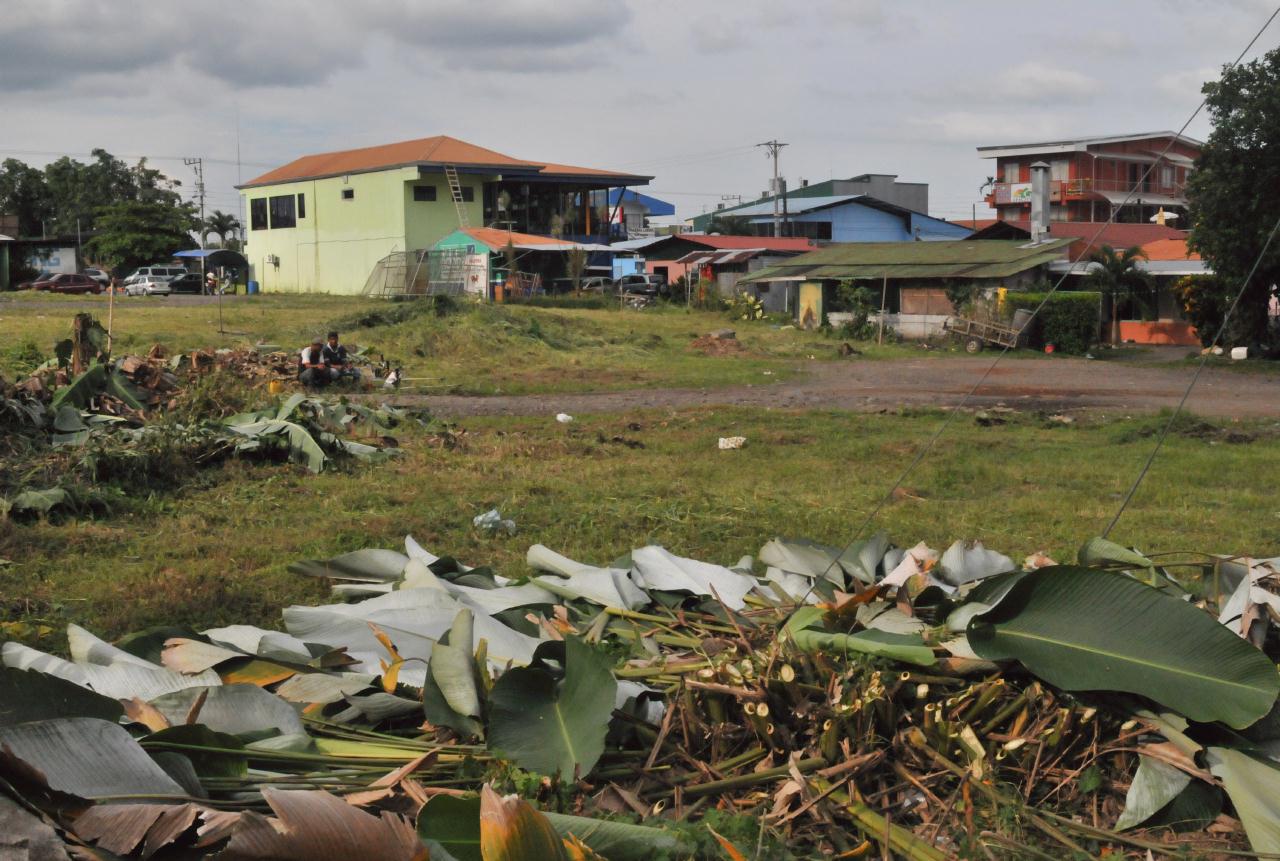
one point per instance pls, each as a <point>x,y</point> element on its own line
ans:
<point>772,148</point>
<point>198,165</point>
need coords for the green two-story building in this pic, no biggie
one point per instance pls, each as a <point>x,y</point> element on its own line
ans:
<point>323,222</point>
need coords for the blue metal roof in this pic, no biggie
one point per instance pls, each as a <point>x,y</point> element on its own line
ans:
<point>656,207</point>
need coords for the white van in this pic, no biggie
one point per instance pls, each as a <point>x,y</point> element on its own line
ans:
<point>155,273</point>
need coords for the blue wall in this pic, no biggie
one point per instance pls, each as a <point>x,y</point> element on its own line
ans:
<point>854,222</point>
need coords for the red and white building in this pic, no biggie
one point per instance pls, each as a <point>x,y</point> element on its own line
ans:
<point>1090,177</point>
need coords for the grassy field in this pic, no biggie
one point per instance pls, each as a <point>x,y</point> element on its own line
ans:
<point>477,350</point>
<point>217,553</point>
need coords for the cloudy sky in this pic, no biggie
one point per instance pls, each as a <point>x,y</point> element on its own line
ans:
<point>680,90</point>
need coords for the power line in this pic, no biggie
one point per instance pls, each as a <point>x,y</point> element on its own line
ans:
<point>231,162</point>
<point>951,416</point>
<point>1204,359</point>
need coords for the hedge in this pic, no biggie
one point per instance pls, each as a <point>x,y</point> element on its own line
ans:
<point>1070,321</point>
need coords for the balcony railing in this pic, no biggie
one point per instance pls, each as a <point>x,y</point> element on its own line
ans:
<point>1073,189</point>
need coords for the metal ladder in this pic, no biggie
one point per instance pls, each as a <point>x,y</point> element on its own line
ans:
<point>455,190</point>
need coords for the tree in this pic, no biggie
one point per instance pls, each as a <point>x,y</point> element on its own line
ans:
<point>132,233</point>
<point>24,193</point>
<point>730,225</point>
<point>1119,278</point>
<point>1232,192</point>
<point>224,224</point>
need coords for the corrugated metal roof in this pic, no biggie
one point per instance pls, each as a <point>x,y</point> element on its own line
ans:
<point>795,205</point>
<point>990,258</point>
<point>719,258</point>
<point>438,150</point>
<point>768,243</point>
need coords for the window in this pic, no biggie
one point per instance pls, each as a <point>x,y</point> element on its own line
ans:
<point>424,193</point>
<point>468,194</point>
<point>1060,169</point>
<point>348,194</point>
<point>302,206</point>
<point>282,212</point>
<point>1166,176</point>
<point>258,214</point>
<point>1011,171</point>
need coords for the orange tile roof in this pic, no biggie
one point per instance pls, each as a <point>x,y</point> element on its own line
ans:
<point>497,239</point>
<point>438,150</point>
<point>1169,249</point>
<point>972,224</point>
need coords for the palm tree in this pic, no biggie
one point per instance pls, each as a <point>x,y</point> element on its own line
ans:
<point>222,223</point>
<point>986,187</point>
<point>730,225</point>
<point>1117,275</point>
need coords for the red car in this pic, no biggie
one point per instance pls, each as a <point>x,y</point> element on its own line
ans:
<point>64,283</point>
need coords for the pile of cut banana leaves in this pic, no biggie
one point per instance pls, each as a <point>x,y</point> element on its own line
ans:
<point>880,701</point>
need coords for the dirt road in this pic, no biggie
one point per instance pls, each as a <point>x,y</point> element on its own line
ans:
<point>1056,384</point>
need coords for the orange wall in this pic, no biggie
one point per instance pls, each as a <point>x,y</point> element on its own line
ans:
<point>1175,332</point>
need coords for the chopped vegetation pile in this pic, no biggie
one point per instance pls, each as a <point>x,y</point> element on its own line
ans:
<point>884,700</point>
<point>83,424</point>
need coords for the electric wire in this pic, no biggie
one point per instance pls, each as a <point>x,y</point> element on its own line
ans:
<point>1204,359</point>
<point>955,411</point>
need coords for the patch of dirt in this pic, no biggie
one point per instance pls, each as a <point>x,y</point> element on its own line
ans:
<point>1053,386</point>
<point>712,346</point>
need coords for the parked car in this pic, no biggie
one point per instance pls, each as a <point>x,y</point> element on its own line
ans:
<point>150,285</point>
<point>592,283</point>
<point>189,282</point>
<point>63,283</point>
<point>159,272</point>
<point>643,283</point>
<point>98,275</point>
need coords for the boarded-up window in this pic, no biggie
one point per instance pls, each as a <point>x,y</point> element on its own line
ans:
<point>925,300</point>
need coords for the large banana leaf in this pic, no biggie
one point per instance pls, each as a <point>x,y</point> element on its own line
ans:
<point>88,757</point>
<point>548,723</point>
<point>27,695</point>
<point>1254,789</point>
<point>1085,629</point>
<point>619,841</point>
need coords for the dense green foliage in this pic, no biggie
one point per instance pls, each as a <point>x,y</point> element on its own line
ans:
<point>1125,287</point>
<point>1069,321</point>
<point>1204,302</point>
<point>1232,194</point>
<point>139,208</point>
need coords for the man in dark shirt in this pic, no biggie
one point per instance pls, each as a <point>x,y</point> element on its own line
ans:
<point>339,364</point>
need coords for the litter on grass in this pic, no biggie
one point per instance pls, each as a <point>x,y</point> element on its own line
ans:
<point>731,442</point>
<point>882,700</point>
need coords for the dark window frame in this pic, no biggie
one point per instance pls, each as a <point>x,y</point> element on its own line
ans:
<point>302,205</point>
<point>468,194</point>
<point>425,194</point>
<point>348,194</point>
<point>283,211</point>
<point>258,213</point>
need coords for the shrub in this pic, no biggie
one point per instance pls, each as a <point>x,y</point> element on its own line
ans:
<point>850,297</point>
<point>1070,320</point>
<point>1204,301</point>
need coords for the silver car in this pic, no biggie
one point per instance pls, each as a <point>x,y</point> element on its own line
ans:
<point>148,285</point>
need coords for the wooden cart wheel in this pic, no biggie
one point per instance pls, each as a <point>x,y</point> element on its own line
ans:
<point>973,345</point>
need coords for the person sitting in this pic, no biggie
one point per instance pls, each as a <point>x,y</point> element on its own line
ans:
<point>312,370</point>
<point>339,363</point>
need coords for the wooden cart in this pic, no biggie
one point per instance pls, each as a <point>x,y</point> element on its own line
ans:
<point>976,334</point>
